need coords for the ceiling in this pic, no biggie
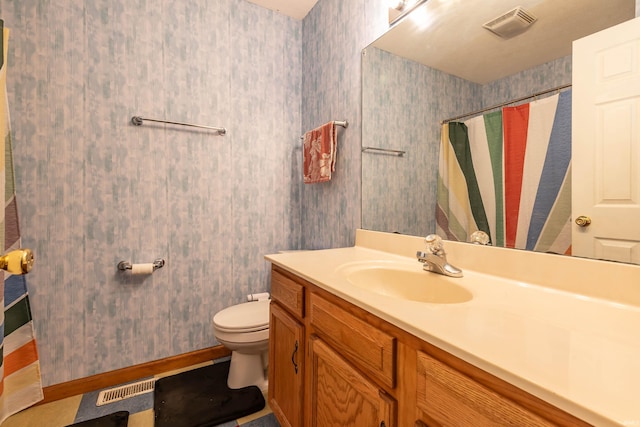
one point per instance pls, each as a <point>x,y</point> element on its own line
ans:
<point>441,32</point>
<point>297,9</point>
<point>448,34</point>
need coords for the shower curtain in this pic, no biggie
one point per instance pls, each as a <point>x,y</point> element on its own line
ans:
<point>20,381</point>
<point>508,173</point>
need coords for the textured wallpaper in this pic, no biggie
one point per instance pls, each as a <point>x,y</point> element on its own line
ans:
<point>544,77</point>
<point>334,33</point>
<point>94,190</point>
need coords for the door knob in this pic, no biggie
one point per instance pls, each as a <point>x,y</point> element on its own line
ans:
<point>583,221</point>
<point>19,261</point>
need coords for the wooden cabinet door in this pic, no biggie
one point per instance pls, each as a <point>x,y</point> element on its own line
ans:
<point>286,364</point>
<point>341,396</point>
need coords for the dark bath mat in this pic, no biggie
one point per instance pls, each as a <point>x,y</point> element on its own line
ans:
<point>117,419</point>
<point>201,398</point>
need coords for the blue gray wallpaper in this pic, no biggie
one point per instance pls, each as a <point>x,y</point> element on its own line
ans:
<point>334,33</point>
<point>94,190</point>
<point>544,77</point>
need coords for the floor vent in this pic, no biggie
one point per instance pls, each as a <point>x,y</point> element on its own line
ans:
<point>126,391</point>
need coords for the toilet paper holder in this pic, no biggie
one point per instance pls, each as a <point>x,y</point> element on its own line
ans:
<point>126,265</point>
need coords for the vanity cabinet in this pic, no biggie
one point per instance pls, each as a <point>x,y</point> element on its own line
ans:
<point>327,366</point>
<point>286,350</point>
<point>355,369</point>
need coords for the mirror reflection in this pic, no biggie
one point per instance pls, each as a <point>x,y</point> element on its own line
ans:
<point>439,63</point>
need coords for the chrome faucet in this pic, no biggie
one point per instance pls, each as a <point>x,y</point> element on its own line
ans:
<point>434,258</point>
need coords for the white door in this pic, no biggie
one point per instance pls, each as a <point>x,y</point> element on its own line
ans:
<point>606,144</point>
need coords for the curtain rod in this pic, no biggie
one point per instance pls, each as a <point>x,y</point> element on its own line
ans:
<point>544,92</point>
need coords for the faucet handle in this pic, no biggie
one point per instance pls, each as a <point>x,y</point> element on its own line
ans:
<point>434,244</point>
<point>480,237</point>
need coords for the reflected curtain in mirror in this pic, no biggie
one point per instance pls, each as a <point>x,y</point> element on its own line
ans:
<point>507,173</point>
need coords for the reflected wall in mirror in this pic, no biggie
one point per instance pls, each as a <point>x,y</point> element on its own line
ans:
<point>404,101</point>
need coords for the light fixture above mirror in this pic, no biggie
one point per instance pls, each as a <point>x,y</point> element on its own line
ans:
<point>398,9</point>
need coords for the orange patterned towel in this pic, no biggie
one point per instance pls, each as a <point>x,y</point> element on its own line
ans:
<point>319,153</point>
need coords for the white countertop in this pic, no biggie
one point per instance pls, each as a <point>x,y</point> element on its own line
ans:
<point>579,351</point>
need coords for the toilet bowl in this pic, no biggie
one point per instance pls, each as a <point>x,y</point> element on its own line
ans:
<point>244,329</point>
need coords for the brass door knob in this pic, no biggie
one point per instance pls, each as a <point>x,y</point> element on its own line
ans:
<point>583,221</point>
<point>19,261</point>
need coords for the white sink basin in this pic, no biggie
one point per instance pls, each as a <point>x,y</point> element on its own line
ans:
<point>404,281</point>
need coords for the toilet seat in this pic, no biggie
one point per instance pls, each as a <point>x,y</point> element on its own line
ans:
<point>243,318</point>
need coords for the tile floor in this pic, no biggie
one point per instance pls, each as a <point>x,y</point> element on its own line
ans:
<point>74,409</point>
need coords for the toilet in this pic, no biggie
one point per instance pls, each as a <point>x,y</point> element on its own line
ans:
<point>244,329</point>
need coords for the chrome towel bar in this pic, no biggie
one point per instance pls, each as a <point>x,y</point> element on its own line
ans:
<point>398,153</point>
<point>343,123</point>
<point>138,121</point>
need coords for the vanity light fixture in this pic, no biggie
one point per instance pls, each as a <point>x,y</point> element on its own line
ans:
<point>402,5</point>
<point>398,9</point>
<point>398,4</point>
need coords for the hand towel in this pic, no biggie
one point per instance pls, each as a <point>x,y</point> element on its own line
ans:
<point>319,153</point>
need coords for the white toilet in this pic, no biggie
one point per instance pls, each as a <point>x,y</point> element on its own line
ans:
<point>244,329</point>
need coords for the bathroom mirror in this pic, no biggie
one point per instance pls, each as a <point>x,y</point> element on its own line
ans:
<point>439,62</point>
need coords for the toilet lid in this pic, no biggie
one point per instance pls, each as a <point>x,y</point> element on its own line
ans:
<point>245,317</point>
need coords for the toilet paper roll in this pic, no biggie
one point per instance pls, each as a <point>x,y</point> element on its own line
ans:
<point>142,268</point>
<point>258,297</point>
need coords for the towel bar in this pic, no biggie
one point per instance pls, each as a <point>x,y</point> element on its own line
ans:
<point>398,153</point>
<point>138,121</point>
<point>343,123</point>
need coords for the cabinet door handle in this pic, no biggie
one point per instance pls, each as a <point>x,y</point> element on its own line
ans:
<point>293,357</point>
<point>383,424</point>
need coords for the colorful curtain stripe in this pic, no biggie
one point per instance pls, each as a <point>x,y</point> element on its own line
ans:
<point>20,380</point>
<point>507,173</point>
<point>453,211</point>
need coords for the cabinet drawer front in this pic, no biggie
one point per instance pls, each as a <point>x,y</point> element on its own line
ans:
<point>453,399</point>
<point>365,346</point>
<point>288,293</point>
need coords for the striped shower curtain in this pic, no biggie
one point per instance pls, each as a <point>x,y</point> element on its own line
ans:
<point>508,174</point>
<point>20,381</point>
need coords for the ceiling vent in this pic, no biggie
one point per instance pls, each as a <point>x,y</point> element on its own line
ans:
<point>511,23</point>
